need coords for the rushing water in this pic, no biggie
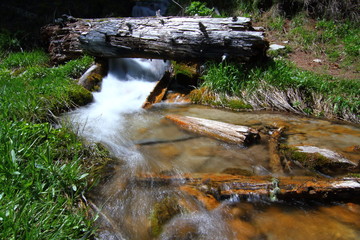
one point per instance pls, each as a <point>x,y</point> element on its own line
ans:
<point>144,142</point>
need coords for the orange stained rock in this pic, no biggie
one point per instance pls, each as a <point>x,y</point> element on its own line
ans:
<point>207,200</point>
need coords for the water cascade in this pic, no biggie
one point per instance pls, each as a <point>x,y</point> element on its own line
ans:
<point>143,142</point>
<point>107,120</point>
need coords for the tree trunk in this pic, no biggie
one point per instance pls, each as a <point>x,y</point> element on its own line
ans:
<point>223,186</point>
<point>178,38</point>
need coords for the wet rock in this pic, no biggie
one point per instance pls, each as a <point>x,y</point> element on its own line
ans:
<point>237,171</point>
<point>162,212</point>
<point>207,200</point>
<point>319,159</point>
<point>92,78</point>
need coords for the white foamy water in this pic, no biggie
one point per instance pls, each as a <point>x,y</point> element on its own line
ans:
<point>123,91</point>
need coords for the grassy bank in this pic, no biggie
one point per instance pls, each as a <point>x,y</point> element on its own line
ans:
<point>279,85</point>
<point>291,80</point>
<point>44,171</point>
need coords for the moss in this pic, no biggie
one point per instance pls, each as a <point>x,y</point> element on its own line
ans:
<point>185,75</point>
<point>184,69</point>
<point>79,95</point>
<point>162,212</point>
<point>311,161</point>
<point>93,81</point>
<point>237,104</point>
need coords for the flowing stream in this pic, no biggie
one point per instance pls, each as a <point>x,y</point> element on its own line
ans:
<point>144,142</point>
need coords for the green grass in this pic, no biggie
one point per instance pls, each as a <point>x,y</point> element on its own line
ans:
<point>339,41</point>
<point>44,171</point>
<point>243,80</point>
<point>30,91</point>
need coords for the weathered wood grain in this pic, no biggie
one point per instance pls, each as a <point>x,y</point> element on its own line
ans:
<point>180,38</point>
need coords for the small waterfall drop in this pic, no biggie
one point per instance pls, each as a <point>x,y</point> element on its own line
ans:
<point>123,92</point>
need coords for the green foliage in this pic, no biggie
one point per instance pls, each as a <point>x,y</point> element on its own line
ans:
<point>25,59</point>
<point>223,77</point>
<point>42,173</point>
<point>41,182</point>
<point>276,23</point>
<point>199,8</point>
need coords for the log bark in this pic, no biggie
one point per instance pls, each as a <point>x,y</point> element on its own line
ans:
<point>179,38</point>
<point>223,186</point>
<point>219,130</point>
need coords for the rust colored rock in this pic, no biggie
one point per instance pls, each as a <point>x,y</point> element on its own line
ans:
<point>207,200</point>
<point>219,130</point>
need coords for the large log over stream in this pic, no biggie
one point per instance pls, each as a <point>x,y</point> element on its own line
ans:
<point>179,38</point>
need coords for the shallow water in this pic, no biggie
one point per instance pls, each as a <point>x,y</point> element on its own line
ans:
<point>145,142</point>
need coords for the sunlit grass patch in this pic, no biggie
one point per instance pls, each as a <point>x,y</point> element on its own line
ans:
<point>44,171</point>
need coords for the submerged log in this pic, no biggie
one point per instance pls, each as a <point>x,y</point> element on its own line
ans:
<point>179,38</point>
<point>223,186</point>
<point>219,130</point>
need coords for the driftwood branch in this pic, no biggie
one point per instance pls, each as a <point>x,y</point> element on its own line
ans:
<point>179,38</point>
<point>223,186</point>
<point>219,130</point>
<point>275,161</point>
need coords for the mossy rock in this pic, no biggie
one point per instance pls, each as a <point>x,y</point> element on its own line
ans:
<point>80,96</point>
<point>162,212</point>
<point>317,161</point>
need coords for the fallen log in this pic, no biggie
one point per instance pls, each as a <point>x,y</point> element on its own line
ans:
<point>179,38</point>
<point>224,186</point>
<point>275,160</point>
<point>158,92</point>
<point>219,130</point>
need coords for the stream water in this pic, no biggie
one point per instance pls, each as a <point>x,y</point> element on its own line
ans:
<point>143,141</point>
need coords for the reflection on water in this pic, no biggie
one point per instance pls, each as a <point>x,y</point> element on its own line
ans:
<point>145,142</point>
